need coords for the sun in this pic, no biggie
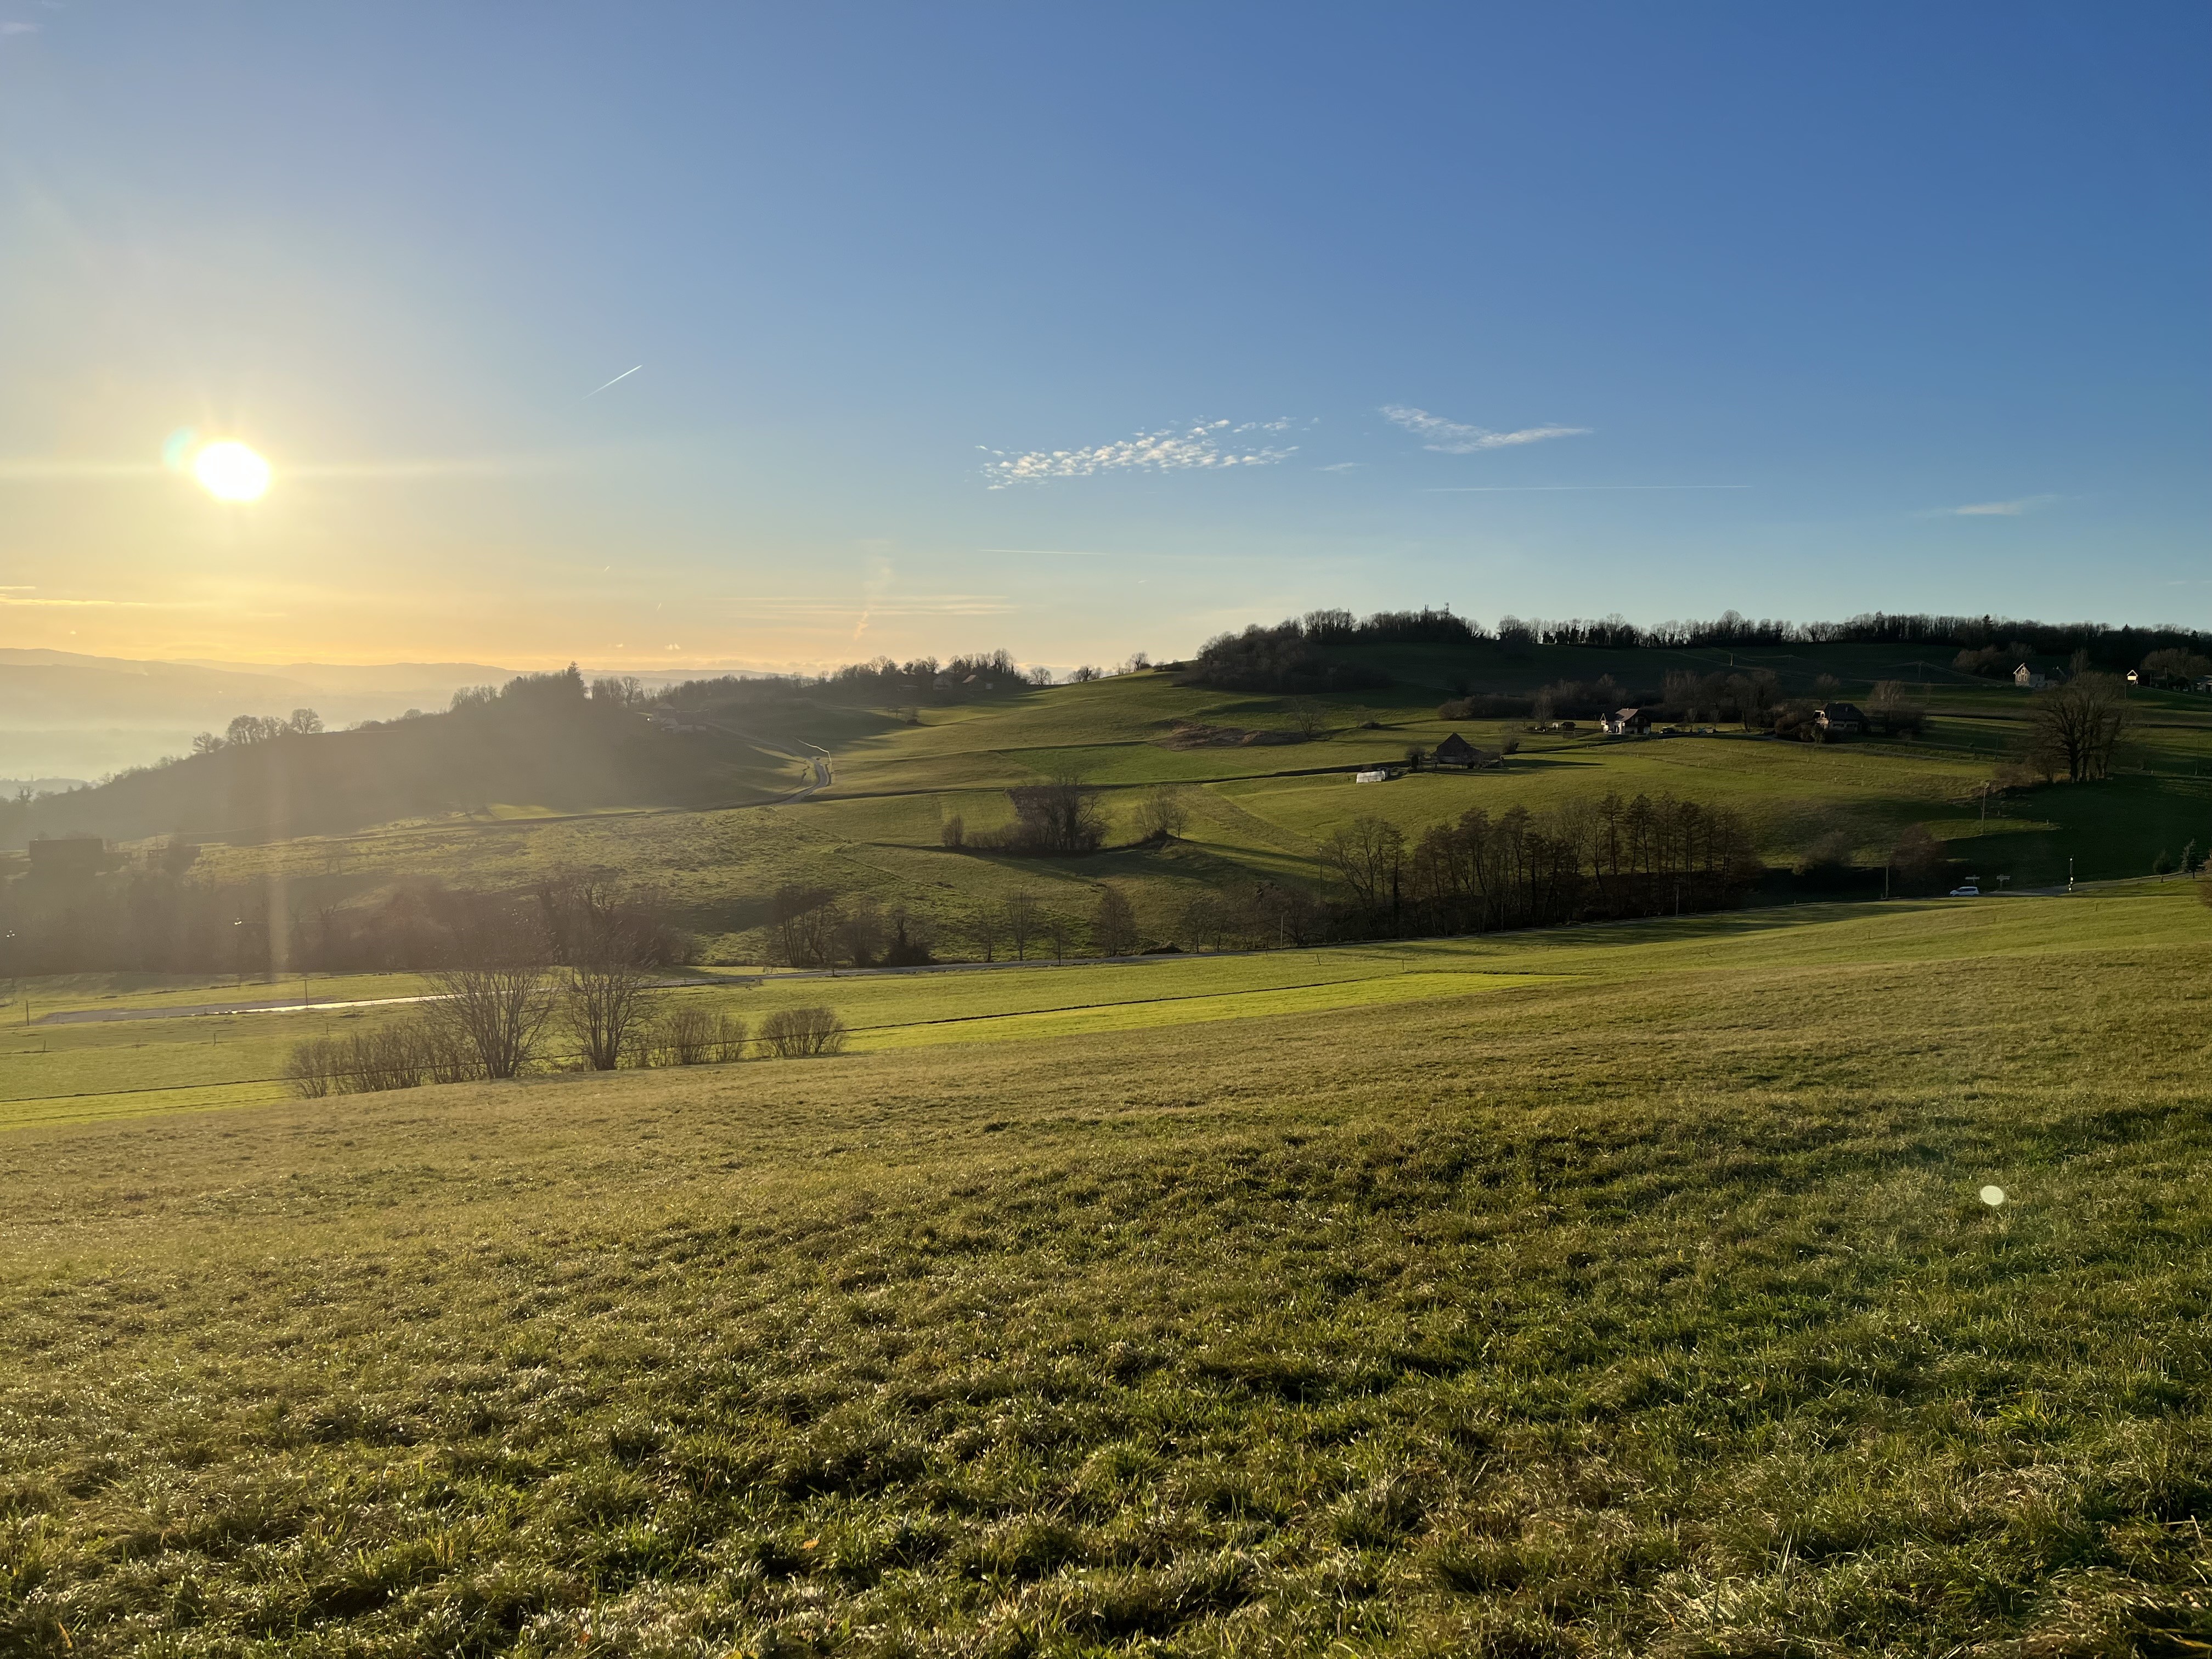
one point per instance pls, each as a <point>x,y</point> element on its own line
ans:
<point>231,472</point>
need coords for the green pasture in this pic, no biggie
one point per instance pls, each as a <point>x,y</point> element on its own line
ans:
<point>51,1074</point>
<point>1646,1306</point>
<point>1257,813</point>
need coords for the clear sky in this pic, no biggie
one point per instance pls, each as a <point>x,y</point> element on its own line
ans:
<point>1082,330</point>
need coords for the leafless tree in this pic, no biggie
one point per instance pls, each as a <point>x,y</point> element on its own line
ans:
<point>2075,728</point>
<point>495,1012</point>
<point>494,1001</point>
<point>305,722</point>
<point>1060,928</point>
<point>1309,716</point>
<point>1060,817</point>
<point>802,923</point>
<point>1371,856</point>
<point>604,1002</point>
<point>1162,814</point>
<point>857,936</point>
<point>1202,921</point>
<point>984,926</point>
<point>1114,925</point>
<point>953,832</point>
<point>1021,917</point>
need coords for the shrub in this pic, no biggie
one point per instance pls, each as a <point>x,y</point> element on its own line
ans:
<point>801,1033</point>
<point>1827,862</point>
<point>729,1039</point>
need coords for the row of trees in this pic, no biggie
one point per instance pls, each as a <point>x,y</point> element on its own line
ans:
<point>496,1023</point>
<point>152,915</point>
<point>246,730</point>
<point>1579,862</point>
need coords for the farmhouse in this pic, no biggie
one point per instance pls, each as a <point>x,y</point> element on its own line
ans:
<point>1456,752</point>
<point>1627,723</point>
<point>2028,679</point>
<point>1839,720</point>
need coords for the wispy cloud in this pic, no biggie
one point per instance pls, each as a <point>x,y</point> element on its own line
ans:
<point>1994,509</point>
<point>1209,446</point>
<point>18,29</point>
<point>1054,552</point>
<point>1450,438</point>
<point>1342,466</point>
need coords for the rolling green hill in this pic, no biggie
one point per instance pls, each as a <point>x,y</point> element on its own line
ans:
<point>499,797</point>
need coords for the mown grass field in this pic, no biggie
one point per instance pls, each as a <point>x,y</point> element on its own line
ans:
<point>1646,1306</point>
<point>1258,812</point>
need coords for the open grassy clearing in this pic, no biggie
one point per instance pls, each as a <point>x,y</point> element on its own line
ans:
<point>1658,1315</point>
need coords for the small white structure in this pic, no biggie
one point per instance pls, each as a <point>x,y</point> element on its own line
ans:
<point>1376,776</point>
<point>2028,679</point>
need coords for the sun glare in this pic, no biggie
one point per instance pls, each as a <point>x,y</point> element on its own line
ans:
<point>231,472</point>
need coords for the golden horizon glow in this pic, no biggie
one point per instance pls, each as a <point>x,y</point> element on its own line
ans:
<point>230,472</point>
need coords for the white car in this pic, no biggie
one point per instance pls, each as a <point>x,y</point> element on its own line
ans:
<point>1966,892</point>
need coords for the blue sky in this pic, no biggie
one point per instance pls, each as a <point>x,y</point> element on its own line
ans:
<point>1922,286</point>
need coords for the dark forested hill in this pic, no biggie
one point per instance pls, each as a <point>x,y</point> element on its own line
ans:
<point>547,741</point>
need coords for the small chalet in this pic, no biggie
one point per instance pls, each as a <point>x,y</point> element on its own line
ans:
<point>2028,679</point>
<point>1456,753</point>
<point>1839,720</point>
<point>2204,684</point>
<point>1627,723</point>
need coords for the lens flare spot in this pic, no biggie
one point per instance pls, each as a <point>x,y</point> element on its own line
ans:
<point>231,472</point>
<point>1993,1196</point>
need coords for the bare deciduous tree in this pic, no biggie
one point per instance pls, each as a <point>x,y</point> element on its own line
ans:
<point>603,1005</point>
<point>1114,925</point>
<point>984,926</point>
<point>2075,728</point>
<point>495,1012</point>
<point>1162,814</point>
<point>1021,917</point>
<point>802,925</point>
<point>1371,856</point>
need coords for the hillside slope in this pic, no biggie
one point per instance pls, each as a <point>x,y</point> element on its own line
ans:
<point>559,753</point>
<point>1634,1313</point>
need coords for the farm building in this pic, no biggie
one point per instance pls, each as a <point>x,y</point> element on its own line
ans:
<point>1456,752</point>
<point>2027,678</point>
<point>1627,723</point>
<point>1839,720</point>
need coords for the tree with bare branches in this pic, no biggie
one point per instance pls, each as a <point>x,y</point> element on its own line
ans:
<point>1113,926</point>
<point>604,1002</point>
<point>2075,726</point>
<point>1020,911</point>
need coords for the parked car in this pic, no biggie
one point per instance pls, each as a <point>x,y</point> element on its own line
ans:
<point>1966,892</point>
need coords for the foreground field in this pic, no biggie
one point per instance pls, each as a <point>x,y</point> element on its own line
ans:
<point>1648,1308</point>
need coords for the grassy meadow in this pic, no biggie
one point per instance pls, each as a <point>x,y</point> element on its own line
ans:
<point>1630,1295</point>
<point>1258,811</point>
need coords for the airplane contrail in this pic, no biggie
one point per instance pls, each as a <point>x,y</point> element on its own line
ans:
<point>624,375</point>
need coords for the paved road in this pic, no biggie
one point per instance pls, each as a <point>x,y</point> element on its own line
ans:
<point>283,1005</point>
